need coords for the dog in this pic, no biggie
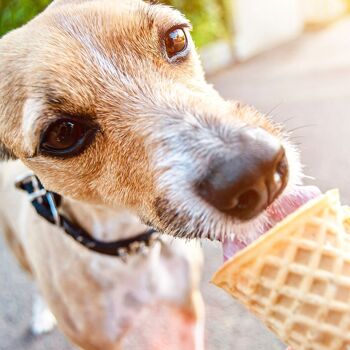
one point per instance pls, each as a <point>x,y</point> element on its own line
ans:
<point>107,103</point>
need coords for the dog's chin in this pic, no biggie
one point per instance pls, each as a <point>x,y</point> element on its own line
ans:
<point>281,208</point>
<point>202,222</point>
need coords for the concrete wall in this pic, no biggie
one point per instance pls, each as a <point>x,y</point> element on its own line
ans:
<point>321,11</point>
<point>262,24</point>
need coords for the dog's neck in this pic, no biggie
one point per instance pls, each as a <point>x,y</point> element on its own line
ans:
<point>103,223</point>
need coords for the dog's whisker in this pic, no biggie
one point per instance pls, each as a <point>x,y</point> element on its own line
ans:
<point>309,177</point>
<point>301,127</point>
<point>285,121</point>
<point>274,108</point>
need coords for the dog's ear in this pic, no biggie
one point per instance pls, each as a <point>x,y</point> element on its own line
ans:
<point>5,153</point>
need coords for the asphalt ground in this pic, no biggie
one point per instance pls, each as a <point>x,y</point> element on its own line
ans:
<point>306,86</point>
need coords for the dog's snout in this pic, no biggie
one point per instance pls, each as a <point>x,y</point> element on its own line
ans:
<point>244,184</point>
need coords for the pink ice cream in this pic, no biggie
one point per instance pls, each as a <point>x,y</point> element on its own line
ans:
<point>276,212</point>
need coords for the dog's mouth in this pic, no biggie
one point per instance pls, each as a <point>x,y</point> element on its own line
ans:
<point>280,209</point>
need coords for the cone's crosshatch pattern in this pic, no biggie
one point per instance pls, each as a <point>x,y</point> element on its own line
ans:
<point>296,278</point>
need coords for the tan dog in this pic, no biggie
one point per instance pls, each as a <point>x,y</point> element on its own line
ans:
<point>105,100</point>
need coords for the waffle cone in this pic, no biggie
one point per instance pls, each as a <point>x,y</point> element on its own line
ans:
<point>296,278</point>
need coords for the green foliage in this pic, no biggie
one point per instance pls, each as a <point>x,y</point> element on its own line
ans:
<point>207,16</point>
<point>14,13</point>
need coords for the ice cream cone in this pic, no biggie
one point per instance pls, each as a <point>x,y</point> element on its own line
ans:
<point>296,278</point>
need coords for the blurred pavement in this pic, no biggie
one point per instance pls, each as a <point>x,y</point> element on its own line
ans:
<point>305,85</point>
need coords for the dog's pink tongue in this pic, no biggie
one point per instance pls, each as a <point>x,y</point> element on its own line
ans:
<point>275,213</point>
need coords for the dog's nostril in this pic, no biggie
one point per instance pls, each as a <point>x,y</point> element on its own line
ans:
<point>279,175</point>
<point>246,201</point>
<point>282,168</point>
<point>279,179</point>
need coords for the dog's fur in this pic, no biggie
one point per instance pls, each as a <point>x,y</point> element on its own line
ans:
<point>161,126</point>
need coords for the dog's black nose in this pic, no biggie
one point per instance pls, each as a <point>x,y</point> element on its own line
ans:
<point>245,183</point>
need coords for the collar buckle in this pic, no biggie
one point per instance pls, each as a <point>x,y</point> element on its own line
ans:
<point>39,195</point>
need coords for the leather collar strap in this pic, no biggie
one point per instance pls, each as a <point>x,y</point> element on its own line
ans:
<point>47,206</point>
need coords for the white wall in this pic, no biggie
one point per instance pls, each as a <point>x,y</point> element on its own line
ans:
<point>262,24</point>
<point>320,11</point>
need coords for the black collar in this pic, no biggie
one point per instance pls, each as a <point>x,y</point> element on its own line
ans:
<point>47,205</point>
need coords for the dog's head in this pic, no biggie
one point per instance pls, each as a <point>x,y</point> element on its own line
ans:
<point>106,101</point>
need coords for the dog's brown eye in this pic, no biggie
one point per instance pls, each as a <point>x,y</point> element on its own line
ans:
<point>66,138</point>
<point>175,42</point>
